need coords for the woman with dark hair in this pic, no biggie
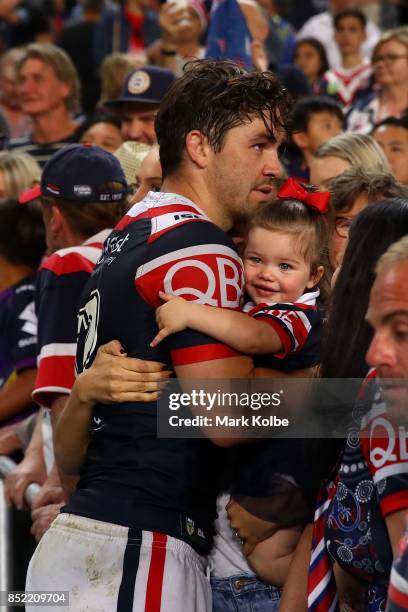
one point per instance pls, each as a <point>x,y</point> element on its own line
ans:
<point>310,56</point>
<point>102,131</point>
<point>363,510</point>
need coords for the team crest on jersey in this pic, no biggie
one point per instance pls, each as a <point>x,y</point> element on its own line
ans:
<point>88,318</point>
<point>189,526</point>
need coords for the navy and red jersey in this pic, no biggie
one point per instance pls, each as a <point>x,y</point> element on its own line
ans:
<point>299,326</point>
<point>60,282</point>
<point>130,477</point>
<point>18,334</point>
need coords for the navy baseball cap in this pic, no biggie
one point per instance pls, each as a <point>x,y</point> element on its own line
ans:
<point>76,172</point>
<point>146,85</point>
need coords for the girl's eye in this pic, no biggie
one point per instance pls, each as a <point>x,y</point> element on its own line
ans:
<point>285,266</point>
<point>254,260</point>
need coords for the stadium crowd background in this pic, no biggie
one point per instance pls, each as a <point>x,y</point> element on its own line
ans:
<point>94,73</point>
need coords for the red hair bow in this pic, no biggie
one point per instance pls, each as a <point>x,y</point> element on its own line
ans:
<point>318,201</point>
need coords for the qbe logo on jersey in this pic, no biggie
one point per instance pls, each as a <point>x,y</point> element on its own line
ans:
<point>88,318</point>
<point>209,274</point>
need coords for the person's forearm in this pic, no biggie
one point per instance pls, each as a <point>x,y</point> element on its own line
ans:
<point>294,598</point>
<point>16,395</point>
<point>238,330</point>
<point>71,436</point>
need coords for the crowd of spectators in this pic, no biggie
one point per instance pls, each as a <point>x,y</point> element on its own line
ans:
<point>146,146</point>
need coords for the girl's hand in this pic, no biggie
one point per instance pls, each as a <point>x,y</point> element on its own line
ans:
<point>114,378</point>
<point>171,317</point>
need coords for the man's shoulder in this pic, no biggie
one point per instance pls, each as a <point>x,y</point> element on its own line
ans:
<point>80,258</point>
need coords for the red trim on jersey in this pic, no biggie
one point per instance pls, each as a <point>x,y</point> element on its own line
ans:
<point>156,573</point>
<point>69,264</point>
<point>397,597</point>
<point>54,371</point>
<point>157,211</point>
<point>394,501</point>
<point>203,352</point>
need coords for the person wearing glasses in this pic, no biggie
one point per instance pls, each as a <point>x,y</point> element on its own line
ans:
<point>390,97</point>
<point>351,192</point>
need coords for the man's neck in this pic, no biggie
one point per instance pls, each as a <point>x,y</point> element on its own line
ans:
<point>198,193</point>
<point>395,97</point>
<point>352,60</point>
<point>54,126</point>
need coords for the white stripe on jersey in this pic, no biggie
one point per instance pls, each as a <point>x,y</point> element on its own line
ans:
<point>391,470</point>
<point>154,199</point>
<point>87,252</point>
<point>188,253</point>
<point>63,349</point>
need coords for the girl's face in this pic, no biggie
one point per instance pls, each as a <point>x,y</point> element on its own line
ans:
<point>275,270</point>
<point>390,63</point>
<point>308,60</point>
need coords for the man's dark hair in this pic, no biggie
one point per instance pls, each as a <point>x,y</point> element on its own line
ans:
<point>114,120</point>
<point>401,122</point>
<point>214,97</point>
<point>305,108</point>
<point>22,233</point>
<point>351,12</point>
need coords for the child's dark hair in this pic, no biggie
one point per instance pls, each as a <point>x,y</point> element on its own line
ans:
<point>290,216</point>
<point>305,108</point>
<point>350,12</point>
<point>320,50</point>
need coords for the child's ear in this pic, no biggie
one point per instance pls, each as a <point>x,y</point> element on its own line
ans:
<point>315,277</point>
<point>301,140</point>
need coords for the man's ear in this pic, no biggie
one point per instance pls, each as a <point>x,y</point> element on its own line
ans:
<point>57,220</point>
<point>300,139</point>
<point>198,148</point>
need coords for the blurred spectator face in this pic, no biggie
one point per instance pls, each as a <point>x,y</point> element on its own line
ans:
<point>149,177</point>
<point>307,59</point>
<point>104,135</point>
<point>324,169</point>
<point>394,142</point>
<point>342,222</point>
<point>40,89</point>
<point>388,351</point>
<point>9,91</point>
<point>390,63</point>
<point>350,35</point>
<point>189,28</point>
<point>321,127</point>
<point>138,125</point>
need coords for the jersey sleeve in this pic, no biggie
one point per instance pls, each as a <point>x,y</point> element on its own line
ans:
<point>384,446</point>
<point>198,262</point>
<point>59,287</point>
<point>291,322</point>
<point>22,328</point>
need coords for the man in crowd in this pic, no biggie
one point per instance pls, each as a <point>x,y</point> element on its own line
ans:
<point>388,353</point>
<point>219,129</point>
<point>392,136</point>
<point>142,92</point>
<point>49,89</point>
<point>83,191</point>
<point>321,26</point>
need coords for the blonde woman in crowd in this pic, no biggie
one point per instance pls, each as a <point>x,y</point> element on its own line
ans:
<point>18,171</point>
<point>343,152</point>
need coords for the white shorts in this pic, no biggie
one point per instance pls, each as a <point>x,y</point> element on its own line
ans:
<point>108,568</point>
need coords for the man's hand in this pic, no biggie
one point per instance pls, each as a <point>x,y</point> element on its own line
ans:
<point>249,528</point>
<point>31,469</point>
<point>42,518</point>
<point>115,378</point>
